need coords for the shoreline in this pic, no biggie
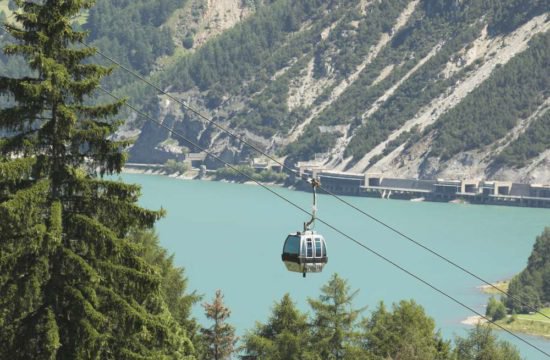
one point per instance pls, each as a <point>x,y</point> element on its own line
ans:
<point>524,326</point>
<point>185,176</point>
<point>490,290</point>
<point>473,320</point>
<point>194,175</point>
<point>353,185</point>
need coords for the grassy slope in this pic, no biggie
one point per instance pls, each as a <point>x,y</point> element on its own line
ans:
<point>532,324</point>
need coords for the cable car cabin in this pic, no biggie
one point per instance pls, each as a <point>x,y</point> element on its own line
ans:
<point>305,252</point>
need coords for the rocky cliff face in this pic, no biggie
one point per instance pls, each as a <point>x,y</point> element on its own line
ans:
<point>415,88</point>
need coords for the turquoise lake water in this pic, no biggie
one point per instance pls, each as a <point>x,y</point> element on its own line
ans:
<point>230,237</point>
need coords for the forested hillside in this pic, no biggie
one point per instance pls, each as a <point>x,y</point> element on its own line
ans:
<point>410,88</point>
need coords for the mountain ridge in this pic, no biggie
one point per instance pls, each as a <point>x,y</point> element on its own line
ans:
<point>407,88</point>
<point>294,112</point>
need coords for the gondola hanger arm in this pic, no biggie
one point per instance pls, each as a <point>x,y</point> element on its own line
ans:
<point>315,183</point>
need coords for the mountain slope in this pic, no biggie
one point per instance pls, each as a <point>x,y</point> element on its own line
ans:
<point>421,88</point>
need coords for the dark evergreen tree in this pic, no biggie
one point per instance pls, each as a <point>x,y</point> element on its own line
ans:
<point>174,281</point>
<point>482,344</point>
<point>285,336</point>
<point>335,321</point>
<point>404,333</point>
<point>530,289</point>
<point>495,309</point>
<point>73,286</point>
<point>219,338</point>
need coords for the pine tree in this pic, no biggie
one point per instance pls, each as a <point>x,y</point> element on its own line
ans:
<point>530,289</point>
<point>220,338</point>
<point>481,343</point>
<point>336,321</point>
<point>404,333</point>
<point>285,336</point>
<point>495,309</point>
<point>73,286</point>
<point>174,282</point>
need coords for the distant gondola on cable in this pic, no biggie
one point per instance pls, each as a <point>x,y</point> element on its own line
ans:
<point>306,251</point>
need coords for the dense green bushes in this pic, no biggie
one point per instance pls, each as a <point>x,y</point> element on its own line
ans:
<point>495,309</point>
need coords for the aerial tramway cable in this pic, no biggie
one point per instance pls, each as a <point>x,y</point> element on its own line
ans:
<point>345,235</point>
<point>380,222</point>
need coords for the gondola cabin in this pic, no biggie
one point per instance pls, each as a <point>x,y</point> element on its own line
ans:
<point>305,252</point>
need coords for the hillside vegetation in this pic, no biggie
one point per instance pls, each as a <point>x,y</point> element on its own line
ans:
<point>410,88</point>
<point>404,87</point>
<point>526,306</point>
<point>532,285</point>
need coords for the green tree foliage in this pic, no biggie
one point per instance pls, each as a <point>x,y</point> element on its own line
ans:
<point>73,286</point>
<point>334,331</point>
<point>335,321</point>
<point>495,309</point>
<point>174,166</point>
<point>531,288</point>
<point>188,41</point>
<point>425,84</point>
<point>243,58</point>
<point>404,333</point>
<point>219,338</point>
<point>482,344</point>
<point>130,32</point>
<point>534,141</point>
<point>285,336</point>
<point>173,279</point>
<point>510,14</point>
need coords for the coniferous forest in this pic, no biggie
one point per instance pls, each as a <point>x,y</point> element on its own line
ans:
<point>82,273</point>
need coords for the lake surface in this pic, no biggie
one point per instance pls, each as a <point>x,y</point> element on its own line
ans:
<point>230,237</point>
